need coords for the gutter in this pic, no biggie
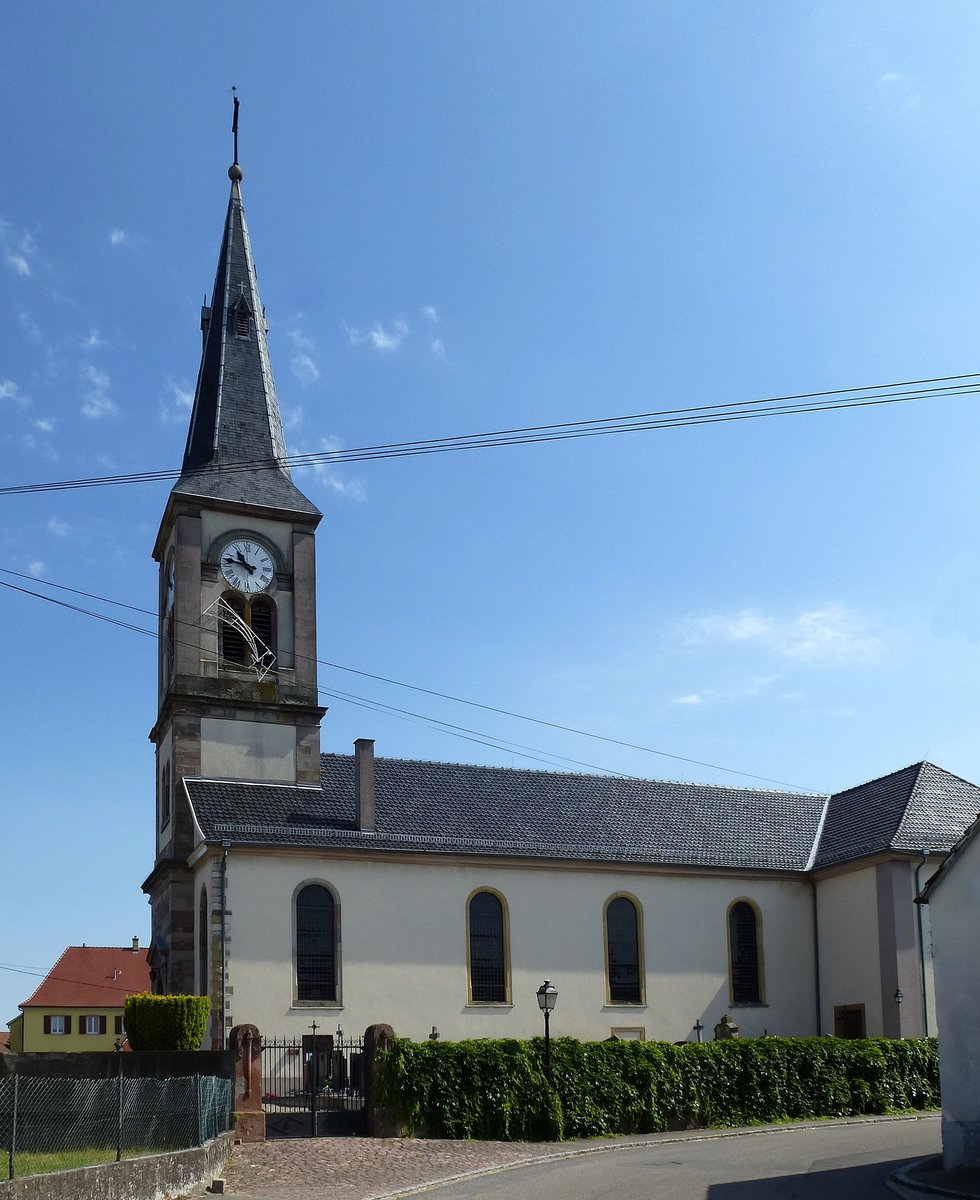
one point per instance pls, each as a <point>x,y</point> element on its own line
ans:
<point>225,847</point>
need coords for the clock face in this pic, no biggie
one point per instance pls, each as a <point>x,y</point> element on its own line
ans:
<point>247,566</point>
<point>171,583</point>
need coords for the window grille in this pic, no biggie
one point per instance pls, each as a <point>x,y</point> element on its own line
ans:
<point>234,648</point>
<point>488,972</point>
<point>623,952</point>
<point>257,617</point>
<point>743,937</point>
<point>243,323</point>
<point>316,958</point>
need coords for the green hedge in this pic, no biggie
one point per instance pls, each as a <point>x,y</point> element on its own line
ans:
<point>497,1090</point>
<point>166,1022</point>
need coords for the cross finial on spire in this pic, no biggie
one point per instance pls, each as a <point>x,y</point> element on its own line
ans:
<point>235,171</point>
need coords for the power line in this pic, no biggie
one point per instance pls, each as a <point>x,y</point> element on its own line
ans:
<point>794,404</point>
<point>459,731</point>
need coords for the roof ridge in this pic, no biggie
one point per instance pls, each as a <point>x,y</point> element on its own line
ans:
<point>609,777</point>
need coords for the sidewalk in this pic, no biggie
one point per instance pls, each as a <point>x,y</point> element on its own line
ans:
<point>369,1169</point>
<point>927,1178</point>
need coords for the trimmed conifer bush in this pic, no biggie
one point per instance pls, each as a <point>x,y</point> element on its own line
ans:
<point>166,1022</point>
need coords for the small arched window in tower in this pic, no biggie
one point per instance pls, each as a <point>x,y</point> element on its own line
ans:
<point>203,931</point>
<point>234,648</point>
<point>744,944</point>
<point>259,615</point>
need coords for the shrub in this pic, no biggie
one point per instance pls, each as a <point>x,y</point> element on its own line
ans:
<point>497,1089</point>
<point>166,1022</point>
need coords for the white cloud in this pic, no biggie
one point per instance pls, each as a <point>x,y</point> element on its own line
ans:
<point>693,698</point>
<point>36,568</point>
<point>303,364</point>
<point>118,237</point>
<point>329,475</point>
<point>438,348</point>
<point>10,391</point>
<point>19,249</point>
<point>176,404</point>
<point>292,418</point>
<point>58,528</point>
<point>96,402</point>
<point>94,341</point>
<point>44,424</point>
<point>30,326</point>
<point>899,90</point>
<point>430,314</point>
<point>828,634</point>
<point>382,338</point>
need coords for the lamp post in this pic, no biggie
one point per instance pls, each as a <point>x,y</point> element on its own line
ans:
<point>899,996</point>
<point>547,999</point>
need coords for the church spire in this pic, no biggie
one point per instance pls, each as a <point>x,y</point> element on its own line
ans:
<point>235,449</point>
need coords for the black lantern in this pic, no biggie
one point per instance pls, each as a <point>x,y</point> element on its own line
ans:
<point>547,999</point>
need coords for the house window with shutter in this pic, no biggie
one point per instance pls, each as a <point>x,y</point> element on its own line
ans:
<point>92,1025</point>
<point>57,1024</point>
<point>118,1023</point>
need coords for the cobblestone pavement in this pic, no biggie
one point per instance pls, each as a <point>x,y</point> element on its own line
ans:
<point>361,1168</point>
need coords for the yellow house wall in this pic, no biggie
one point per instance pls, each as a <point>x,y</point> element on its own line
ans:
<point>37,1041</point>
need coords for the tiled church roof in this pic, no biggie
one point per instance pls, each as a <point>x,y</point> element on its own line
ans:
<point>453,808</point>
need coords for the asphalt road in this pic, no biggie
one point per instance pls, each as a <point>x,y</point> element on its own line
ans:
<point>848,1162</point>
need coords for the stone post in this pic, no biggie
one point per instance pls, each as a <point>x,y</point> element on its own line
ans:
<point>725,1029</point>
<point>249,1120</point>
<point>382,1120</point>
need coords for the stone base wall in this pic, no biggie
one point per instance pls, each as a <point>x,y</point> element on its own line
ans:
<point>173,1174</point>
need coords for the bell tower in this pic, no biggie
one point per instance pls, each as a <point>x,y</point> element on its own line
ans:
<point>237,684</point>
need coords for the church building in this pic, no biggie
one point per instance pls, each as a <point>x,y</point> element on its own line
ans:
<point>297,887</point>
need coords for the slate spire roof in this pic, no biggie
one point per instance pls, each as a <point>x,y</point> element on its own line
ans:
<point>236,418</point>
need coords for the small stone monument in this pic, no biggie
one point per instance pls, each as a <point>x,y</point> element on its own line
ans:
<point>725,1029</point>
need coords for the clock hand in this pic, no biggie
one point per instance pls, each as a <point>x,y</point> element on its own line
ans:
<point>245,563</point>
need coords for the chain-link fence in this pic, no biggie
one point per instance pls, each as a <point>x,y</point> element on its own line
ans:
<point>56,1124</point>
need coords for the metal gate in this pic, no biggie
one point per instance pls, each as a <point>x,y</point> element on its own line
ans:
<point>313,1086</point>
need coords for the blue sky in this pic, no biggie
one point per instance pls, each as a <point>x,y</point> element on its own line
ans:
<point>474,216</point>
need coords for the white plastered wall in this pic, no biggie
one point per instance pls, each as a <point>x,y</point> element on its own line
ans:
<point>956,951</point>
<point>403,948</point>
<point>849,964</point>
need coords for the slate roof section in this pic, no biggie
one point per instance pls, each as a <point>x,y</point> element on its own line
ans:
<point>97,977</point>
<point>236,422</point>
<point>444,808</point>
<point>920,807</point>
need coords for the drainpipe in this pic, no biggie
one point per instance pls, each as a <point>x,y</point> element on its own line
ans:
<point>225,847</point>
<point>922,946</point>
<point>816,958</point>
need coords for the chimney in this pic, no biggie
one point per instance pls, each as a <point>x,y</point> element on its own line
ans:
<point>364,783</point>
<point>136,943</point>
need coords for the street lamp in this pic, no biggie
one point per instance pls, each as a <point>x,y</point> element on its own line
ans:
<point>547,999</point>
<point>898,996</point>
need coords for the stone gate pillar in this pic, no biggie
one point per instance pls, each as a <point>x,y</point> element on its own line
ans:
<point>249,1119</point>
<point>382,1121</point>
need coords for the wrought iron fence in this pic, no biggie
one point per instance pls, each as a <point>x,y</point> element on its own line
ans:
<point>49,1124</point>
<point>313,1085</point>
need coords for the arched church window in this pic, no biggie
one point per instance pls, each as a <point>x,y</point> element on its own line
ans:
<point>624,980</point>
<point>745,953</point>
<point>316,945</point>
<point>203,925</point>
<point>487,945</point>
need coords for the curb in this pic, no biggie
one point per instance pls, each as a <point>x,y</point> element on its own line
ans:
<point>901,1182</point>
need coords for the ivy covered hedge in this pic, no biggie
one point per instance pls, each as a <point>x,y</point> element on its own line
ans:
<point>166,1022</point>
<point>497,1089</point>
